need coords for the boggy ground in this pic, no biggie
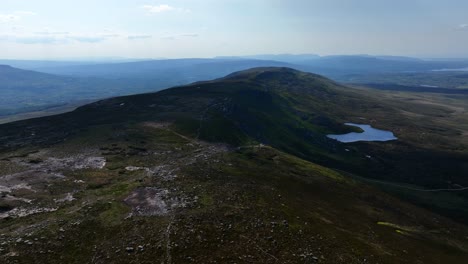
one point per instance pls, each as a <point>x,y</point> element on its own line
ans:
<point>145,194</point>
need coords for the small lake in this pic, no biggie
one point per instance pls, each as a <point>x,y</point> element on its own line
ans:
<point>369,134</point>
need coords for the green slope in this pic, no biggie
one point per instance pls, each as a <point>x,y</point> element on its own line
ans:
<point>235,170</point>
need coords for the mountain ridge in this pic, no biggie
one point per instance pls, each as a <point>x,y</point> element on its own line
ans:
<point>229,170</point>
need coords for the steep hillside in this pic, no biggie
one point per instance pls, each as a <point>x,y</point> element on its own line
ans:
<point>233,170</point>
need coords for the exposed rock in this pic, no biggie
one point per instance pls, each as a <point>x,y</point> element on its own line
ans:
<point>129,249</point>
<point>22,212</point>
<point>150,201</point>
<point>68,198</point>
<point>133,168</point>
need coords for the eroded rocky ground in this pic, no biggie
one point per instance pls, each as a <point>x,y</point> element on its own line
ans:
<point>70,177</point>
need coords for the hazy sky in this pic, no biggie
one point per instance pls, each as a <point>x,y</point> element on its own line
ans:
<point>205,28</point>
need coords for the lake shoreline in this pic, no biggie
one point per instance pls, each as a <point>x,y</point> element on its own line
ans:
<point>369,134</point>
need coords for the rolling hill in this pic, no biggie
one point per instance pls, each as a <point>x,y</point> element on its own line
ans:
<point>238,169</point>
<point>25,91</point>
<point>200,69</point>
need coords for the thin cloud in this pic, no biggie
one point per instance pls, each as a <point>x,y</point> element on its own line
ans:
<point>194,35</point>
<point>52,33</point>
<point>39,40</point>
<point>115,35</point>
<point>25,13</point>
<point>168,38</point>
<point>136,37</point>
<point>463,26</point>
<point>179,36</point>
<point>158,8</point>
<point>155,9</point>
<point>87,39</point>
<point>5,18</point>
<point>17,28</point>
<point>48,36</point>
<point>15,16</point>
<point>52,38</point>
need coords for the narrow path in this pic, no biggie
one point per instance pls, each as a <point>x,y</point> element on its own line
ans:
<point>251,146</point>
<point>165,126</point>
<point>168,242</point>
<point>182,136</point>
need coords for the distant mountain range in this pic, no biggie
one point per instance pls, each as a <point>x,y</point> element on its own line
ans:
<point>199,69</point>
<point>291,58</point>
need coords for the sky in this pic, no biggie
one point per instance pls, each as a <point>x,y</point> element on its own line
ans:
<point>71,29</point>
